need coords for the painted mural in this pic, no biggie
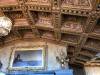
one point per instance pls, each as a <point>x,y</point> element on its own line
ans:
<point>51,52</point>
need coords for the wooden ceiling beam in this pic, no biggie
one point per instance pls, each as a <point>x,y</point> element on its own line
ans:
<point>86,54</point>
<point>72,60</point>
<point>27,14</point>
<point>81,44</point>
<point>57,24</point>
<point>57,36</point>
<point>91,22</point>
<point>80,62</point>
<point>56,19</point>
<point>81,59</point>
<point>82,41</point>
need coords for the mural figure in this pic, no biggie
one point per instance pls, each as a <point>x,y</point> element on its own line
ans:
<point>17,59</point>
<point>27,58</point>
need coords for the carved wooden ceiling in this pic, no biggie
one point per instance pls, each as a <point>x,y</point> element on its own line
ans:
<point>74,23</point>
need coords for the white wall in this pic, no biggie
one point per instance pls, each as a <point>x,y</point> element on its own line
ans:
<point>92,70</point>
<point>5,53</point>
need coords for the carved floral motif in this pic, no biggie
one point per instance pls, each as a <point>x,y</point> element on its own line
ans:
<point>72,24</point>
<point>44,19</point>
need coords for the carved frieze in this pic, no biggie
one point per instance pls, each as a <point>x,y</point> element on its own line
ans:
<point>81,4</point>
<point>39,2</point>
<point>15,14</point>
